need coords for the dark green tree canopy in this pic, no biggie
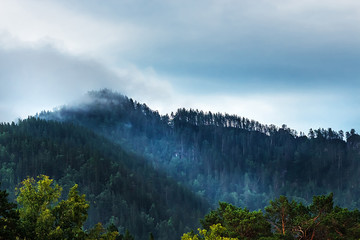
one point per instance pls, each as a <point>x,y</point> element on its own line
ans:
<point>9,218</point>
<point>284,219</point>
<point>239,223</point>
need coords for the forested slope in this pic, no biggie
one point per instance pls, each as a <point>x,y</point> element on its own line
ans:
<point>121,187</point>
<point>226,157</point>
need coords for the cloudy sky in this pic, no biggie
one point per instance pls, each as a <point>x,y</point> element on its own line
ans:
<point>276,61</point>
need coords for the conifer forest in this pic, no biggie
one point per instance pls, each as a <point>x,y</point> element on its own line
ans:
<point>112,168</point>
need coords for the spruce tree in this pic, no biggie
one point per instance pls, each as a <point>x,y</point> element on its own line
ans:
<point>9,218</point>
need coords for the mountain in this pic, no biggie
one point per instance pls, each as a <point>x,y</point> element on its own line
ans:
<point>121,187</point>
<point>224,157</point>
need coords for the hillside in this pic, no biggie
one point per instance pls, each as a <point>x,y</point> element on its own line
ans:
<point>121,187</point>
<point>226,157</point>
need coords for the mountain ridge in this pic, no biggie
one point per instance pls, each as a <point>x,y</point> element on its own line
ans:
<point>225,157</point>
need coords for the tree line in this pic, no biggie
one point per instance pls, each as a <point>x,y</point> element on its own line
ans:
<point>40,214</point>
<point>224,157</point>
<point>282,219</point>
<point>122,187</point>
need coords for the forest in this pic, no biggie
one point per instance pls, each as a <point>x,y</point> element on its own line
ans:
<point>147,174</point>
<point>225,157</point>
<point>282,219</point>
<point>122,188</point>
<point>41,216</point>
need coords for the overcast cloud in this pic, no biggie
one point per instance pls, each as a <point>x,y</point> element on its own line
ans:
<point>278,61</point>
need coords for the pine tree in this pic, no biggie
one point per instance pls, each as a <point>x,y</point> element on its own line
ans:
<point>9,218</point>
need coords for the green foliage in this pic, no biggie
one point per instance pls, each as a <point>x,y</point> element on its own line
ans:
<point>9,218</point>
<point>216,232</point>
<point>220,157</point>
<point>289,220</point>
<point>225,157</point>
<point>281,214</point>
<point>42,217</point>
<point>71,214</point>
<point>237,222</point>
<point>121,188</point>
<point>36,201</point>
<point>320,220</point>
<point>98,232</point>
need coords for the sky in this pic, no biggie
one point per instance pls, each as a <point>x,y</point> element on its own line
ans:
<point>293,62</point>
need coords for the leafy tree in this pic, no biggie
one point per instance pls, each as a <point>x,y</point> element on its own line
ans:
<point>9,218</point>
<point>99,232</point>
<point>237,222</point>
<point>320,220</point>
<point>43,217</point>
<point>36,201</point>
<point>71,214</point>
<point>216,232</point>
<point>113,228</point>
<point>290,221</point>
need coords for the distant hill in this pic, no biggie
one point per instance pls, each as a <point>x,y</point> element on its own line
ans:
<point>122,188</point>
<point>226,157</point>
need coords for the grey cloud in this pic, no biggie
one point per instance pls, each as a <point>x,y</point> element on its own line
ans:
<point>283,43</point>
<point>35,79</point>
<point>45,71</point>
<point>271,41</point>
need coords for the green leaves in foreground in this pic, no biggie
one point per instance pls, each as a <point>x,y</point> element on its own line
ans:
<point>283,220</point>
<point>43,217</point>
<point>238,222</point>
<point>215,233</point>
